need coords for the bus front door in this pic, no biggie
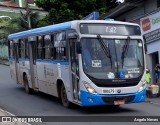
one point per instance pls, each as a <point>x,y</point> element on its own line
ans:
<point>74,71</point>
<point>32,62</point>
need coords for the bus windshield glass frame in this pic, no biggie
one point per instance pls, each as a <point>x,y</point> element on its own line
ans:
<point>98,65</point>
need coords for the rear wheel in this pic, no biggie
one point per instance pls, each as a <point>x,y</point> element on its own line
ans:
<point>64,98</point>
<point>26,85</point>
<point>158,95</point>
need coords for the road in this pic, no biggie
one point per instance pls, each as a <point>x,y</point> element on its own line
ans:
<point>14,99</point>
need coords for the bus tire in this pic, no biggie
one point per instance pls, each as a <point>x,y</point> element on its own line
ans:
<point>26,85</point>
<point>64,98</point>
<point>157,95</point>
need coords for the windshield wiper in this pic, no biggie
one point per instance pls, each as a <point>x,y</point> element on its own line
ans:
<point>125,50</point>
<point>105,48</point>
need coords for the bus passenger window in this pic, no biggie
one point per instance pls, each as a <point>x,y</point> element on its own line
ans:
<point>11,50</point>
<point>60,46</point>
<point>48,46</point>
<point>40,48</point>
<point>26,49</point>
<point>21,48</point>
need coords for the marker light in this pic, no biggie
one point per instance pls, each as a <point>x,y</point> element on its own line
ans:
<point>89,88</point>
<point>142,86</point>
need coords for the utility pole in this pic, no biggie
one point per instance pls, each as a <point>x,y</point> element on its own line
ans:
<point>28,11</point>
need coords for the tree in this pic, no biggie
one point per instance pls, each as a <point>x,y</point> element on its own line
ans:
<point>21,23</point>
<point>4,22</point>
<point>66,10</point>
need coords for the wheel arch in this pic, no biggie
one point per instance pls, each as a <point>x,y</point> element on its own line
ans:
<point>59,84</point>
<point>24,73</point>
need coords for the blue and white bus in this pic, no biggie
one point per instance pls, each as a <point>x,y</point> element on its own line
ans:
<point>85,62</point>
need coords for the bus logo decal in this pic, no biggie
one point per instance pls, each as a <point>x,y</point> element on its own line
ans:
<point>118,91</point>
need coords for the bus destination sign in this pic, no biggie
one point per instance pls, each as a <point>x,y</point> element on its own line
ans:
<point>109,29</point>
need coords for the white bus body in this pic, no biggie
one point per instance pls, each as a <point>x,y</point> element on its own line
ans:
<point>52,60</point>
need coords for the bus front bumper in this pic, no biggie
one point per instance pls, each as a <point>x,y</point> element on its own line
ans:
<point>88,99</point>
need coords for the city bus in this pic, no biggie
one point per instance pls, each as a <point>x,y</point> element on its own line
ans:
<point>83,62</point>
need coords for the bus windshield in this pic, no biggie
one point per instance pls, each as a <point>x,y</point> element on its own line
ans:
<point>124,58</point>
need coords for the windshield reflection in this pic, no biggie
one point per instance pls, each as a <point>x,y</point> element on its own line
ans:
<point>96,64</point>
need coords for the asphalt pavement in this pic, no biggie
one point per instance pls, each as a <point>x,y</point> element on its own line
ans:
<point>6,117</point>
<point>151,105</point>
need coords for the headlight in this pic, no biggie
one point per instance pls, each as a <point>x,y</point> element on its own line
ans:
<point>89,88</point>
<point>142,86</point>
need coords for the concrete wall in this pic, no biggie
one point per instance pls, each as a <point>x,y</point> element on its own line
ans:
<point>3,52</point>
<point>152,48</point>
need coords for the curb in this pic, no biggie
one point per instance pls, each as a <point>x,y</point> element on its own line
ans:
<point>4,113</point>
<point>10,114</point>
<point>4,62</point>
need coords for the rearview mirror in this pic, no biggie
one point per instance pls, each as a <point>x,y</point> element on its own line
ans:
<point>71,34</point>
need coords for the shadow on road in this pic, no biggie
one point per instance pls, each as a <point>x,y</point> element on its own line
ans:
<point>106,109</point>
<point>42,95</point>
<point>110,110</point>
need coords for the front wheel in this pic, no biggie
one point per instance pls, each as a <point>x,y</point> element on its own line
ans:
<point>64,98</point>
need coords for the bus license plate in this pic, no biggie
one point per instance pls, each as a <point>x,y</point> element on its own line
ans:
<point>108,91</point>
<point>119,102</point>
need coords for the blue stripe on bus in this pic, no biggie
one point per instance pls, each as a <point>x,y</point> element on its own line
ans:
<point>11,58</point>
<point>43,30</point>
<point>23,59</point>
<point>53,62</point>
<point>97,99</point>
<point>42,61</point>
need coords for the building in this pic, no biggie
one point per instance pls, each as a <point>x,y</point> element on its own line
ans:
<point>147,14</point>
<point>10,9</point>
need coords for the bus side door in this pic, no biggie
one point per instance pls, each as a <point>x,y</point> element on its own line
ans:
<point>32,64</point>
<point>12,60</point>
<point>74,70</point>
<point>17,68</point>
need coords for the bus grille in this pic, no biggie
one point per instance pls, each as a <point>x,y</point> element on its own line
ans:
<point>110,100</point>
<point>124,84</point>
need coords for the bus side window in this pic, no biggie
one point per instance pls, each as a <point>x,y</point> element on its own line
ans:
<point>40,49</point>
<point>53,49</point>
<point>60,46</point>
<point>11,50</point>
<point>21,48</point>
<point>26,49</point>
<point>48,47</point>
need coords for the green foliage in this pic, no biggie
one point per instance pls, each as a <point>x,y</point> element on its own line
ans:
<point>3,23</point>
<point>21,23</point>
<point>66,10</point>
<point>43,22</point>
<point>10,28</point>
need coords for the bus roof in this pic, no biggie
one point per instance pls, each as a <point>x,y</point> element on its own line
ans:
<point>42,30</point>
<point>60,27</point>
